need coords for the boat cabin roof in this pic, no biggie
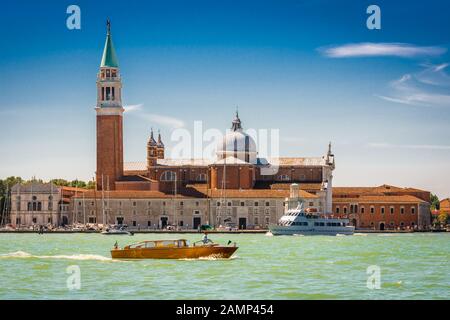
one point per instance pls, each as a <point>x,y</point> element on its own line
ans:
<point>159,243</point>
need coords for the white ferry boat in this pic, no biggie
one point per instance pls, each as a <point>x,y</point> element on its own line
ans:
<point>299,222</point>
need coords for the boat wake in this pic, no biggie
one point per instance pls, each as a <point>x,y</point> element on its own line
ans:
<point>24,255</point>
<point>209,258</point>
<point>360,234</point>
<point>268,234</point>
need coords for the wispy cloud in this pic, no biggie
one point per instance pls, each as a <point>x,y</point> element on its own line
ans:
<point>426,88</point>
<point>368,49</point>
<point>409,146</point>
<point>165,121</point>
<point>137,110</point>
<point>133,107</point>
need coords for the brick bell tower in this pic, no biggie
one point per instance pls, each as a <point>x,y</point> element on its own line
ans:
<point>109,118</point>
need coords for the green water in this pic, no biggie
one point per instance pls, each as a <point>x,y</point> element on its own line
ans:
<point>412,266</point>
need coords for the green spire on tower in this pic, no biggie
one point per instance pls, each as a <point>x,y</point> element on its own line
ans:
<point>109,58</point>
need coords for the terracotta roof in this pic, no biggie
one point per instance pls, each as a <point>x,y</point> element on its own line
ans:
<point>197,192</point>
<point>380,199</point>
<point>374,190</point>
<point>74,189</point>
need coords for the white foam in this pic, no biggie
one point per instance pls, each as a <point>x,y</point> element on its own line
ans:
<point>22,254</point>
<point>268,234</point>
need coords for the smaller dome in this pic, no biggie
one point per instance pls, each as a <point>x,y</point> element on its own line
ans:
<point>236,143</point>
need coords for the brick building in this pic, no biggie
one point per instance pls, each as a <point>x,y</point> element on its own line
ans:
<point>383,207</point>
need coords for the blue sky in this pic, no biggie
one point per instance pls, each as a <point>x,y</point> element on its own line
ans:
<point>309,68</point>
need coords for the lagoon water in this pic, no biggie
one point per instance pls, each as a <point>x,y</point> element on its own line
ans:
<point>412,266</point>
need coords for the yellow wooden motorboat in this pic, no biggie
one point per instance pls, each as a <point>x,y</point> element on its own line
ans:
<point>173,249</point>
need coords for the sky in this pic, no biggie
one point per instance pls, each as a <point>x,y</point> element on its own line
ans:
<point>311,69</point>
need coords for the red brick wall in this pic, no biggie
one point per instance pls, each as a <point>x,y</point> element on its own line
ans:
<point>109,150</point>
<point>373,220</point>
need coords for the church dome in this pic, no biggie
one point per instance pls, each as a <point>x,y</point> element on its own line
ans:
<point>237,144</point>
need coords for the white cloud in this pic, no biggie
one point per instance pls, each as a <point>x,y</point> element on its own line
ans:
<point>409,146</point>
<point>425,88</point>
<point>368,49</point>
<point>164,120</point>
<point>133,107</point>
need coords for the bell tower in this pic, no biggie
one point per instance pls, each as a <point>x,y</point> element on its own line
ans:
<point>109,118</point>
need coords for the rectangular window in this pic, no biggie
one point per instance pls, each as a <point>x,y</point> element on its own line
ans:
<point>242,203</point>
<point>149,223</point>
<point>267,204</point>
<point>108,93</point>
<point>362,209</point>
<point>382,210</point>
<point>113,94</point>
<point>134,223</point>
<point>402,210</point>
<point>103,93</point>
<point>392,210</point>
<point>337,210</point>
<point>256,204</point>
<point>413,210</point>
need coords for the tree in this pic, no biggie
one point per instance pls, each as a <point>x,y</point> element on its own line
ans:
<point>60,182</point>
<point>434,202</point>
<point>443,218</point>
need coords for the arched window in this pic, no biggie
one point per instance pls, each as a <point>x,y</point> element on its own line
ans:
<point>168,176</point>
<point>201,177</point>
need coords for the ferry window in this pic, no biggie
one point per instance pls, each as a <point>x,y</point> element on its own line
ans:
<point>316,224</point>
